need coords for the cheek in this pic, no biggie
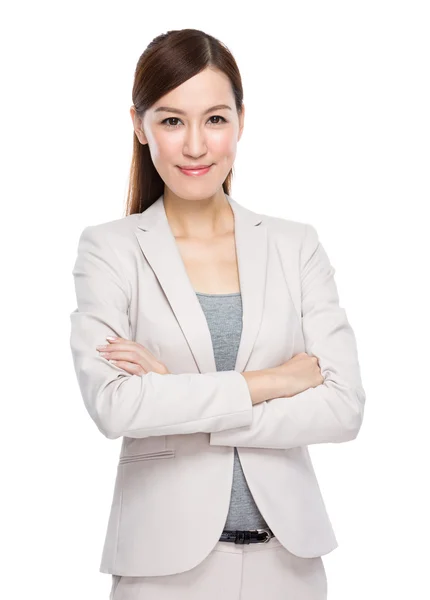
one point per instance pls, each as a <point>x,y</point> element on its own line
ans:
<point>164,147</point>
<point>224,144</point>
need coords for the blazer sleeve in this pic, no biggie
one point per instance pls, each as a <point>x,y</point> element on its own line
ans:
<point>146,405</point>
<point>332,411</point>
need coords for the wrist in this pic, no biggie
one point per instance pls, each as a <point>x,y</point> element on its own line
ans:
<point>275,382</point>
<point>264,384</point>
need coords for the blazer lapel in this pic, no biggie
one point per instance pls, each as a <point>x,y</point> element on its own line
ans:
<point>159,246</point>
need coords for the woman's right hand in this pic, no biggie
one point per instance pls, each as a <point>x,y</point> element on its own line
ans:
<point>299,373</point>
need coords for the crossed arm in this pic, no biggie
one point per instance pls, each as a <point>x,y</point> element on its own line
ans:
<point>217,403</point>
<point>332,411</point>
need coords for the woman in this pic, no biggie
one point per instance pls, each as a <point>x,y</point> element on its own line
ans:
<point>215,494</point>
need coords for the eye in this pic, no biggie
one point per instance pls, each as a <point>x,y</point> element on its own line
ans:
<point>170,119</point>
<point>169,126</point>
<point>218,117</point>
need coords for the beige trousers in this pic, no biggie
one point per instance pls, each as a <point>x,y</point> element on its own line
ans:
<point>234,572</point>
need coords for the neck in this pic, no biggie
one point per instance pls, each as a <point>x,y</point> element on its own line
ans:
<point>203,218</point>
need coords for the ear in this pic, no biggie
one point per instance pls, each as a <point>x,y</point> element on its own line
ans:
<point>241,121</point>
<point>137,125</point>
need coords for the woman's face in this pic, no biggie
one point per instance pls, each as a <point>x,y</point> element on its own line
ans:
<point>191,134</point>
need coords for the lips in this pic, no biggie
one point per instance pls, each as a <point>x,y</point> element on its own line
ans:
<point>193,168</point>
<point>199,170</point>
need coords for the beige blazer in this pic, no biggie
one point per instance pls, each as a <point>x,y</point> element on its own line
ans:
<point>174,473</point>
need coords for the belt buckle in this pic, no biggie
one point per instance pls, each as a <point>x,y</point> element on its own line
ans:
<point>267,537</point>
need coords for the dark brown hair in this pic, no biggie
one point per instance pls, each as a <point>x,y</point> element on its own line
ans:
<point>168,61</point>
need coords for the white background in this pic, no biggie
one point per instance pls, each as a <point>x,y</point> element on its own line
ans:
<point>337,135</point>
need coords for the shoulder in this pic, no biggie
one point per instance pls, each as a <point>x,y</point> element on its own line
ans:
<point>296,238</point>
<point>117,233</point>
<point>295,232</point>
<point>118,227</point>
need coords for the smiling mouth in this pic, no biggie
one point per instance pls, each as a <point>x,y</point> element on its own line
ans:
<point>195,172</point>
<point>198,168</point>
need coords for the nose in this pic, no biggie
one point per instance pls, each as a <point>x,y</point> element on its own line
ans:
<point>195,144</point>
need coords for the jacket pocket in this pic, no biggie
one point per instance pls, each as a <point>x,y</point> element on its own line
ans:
<point>146,456</point>
<point>141,446</point>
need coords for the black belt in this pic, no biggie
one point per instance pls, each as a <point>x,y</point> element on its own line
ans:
<point>253,536</point>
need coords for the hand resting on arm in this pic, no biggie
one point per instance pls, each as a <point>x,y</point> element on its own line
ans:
<point>131,404</point>
<point>295,375</point>
<point>331,412</point>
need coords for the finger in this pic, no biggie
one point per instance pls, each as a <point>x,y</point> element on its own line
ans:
<point>112,347</point>
<point>122,347</point>
<point>125,345</point>
<point>122,344</point>
<point>125,355</point>
<point>118,341</point>
<point>131,368</point>
<point>131,352</point>
<point>130,357</point>
<point>128,343</point>
<point>115,340</point>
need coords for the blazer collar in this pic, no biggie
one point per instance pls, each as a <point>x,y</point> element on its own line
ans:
<point>158,244</point>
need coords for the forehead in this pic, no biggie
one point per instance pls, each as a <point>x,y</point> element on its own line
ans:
<point>207,88</point>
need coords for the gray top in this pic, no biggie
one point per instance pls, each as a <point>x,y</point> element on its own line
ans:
<point>224,316</point>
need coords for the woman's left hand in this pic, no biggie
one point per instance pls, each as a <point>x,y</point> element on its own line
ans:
<point>132,357</point>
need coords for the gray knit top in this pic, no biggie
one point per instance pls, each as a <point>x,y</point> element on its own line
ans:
<point>224,316</point>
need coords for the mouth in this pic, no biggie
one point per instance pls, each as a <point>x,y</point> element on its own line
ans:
<point>197,170</point>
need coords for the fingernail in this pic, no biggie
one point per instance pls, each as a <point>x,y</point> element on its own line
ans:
<point>111,337</point>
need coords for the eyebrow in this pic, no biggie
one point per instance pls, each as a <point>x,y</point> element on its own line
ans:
<point>182,112</point>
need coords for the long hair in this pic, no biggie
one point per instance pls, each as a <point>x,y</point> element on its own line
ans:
<point>168,61</point>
